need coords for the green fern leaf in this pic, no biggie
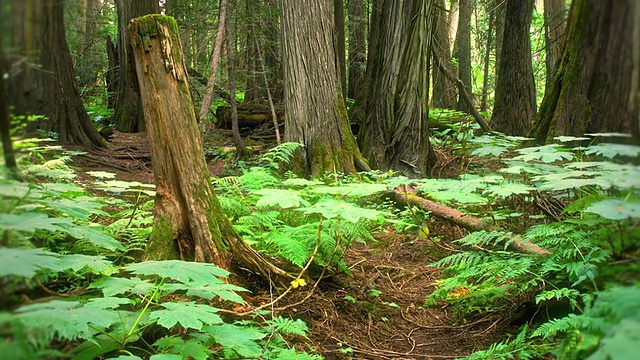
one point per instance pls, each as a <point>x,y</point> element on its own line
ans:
<point>347,211</point>
<point>81,207</point>
<point>357,189</point>
<point>241,339</point>
<point>299,182</point>
<point>288,326</point>
<point>188,314</point>
<point>182,271</point>
<point>281,197</point>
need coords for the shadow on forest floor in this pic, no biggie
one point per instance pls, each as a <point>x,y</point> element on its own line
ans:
<point>377,312</point>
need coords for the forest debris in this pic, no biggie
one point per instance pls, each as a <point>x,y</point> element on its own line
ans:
<point>406,195</point>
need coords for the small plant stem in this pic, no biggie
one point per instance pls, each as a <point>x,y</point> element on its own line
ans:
<point>135,324</point>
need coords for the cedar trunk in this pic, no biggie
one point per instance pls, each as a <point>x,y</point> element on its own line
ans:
<point>554,31</point>
<point>128,116</point>
<point>395,134</point>
<point>462,52</point>
<point>315,113</point>
<point>515,99</point>
<point>593,87</point>
<point>444,90</point>
<point>189,222</point>
<point>45,82</point>
<point>357,47</point>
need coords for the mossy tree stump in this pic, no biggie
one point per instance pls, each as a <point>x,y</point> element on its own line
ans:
<point>189,222</point>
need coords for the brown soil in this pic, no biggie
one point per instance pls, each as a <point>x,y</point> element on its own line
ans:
<point>378,311</point>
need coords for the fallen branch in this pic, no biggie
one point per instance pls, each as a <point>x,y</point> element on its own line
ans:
<point>406,195</point>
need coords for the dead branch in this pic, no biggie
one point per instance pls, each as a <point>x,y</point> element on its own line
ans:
<point>406,195</point>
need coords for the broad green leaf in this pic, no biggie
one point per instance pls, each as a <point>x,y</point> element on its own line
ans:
<point>94,235</point>
<point>107,302</point>
<point>80,207</point>
<point>509,189</point>
<point>547,154</point>
<point>563,138</point>
<point>620,343</point>
<point>565,184</point>
<point>14,189</point>
<point>241,339</point>
<point>166,357</point>
<point>209,291</point>
<point>347,211</point>
<point>115,285</point>
<point>77,262</point>
<point>187,314</point>
<point>182,271</point>
<point>358,189</point>
<point>490,150</point>
<point>612,150</point>
<point>461,197</point>
<point>520,169</point>
<point>301,182</point>
<point>102,174</point>
<point>615,209</point>
<point>117,186</point>
<point>576,174</point>
<point>26,262</point>
<point>30,222</point>
<point>281,197</point>
<point>66,319</point>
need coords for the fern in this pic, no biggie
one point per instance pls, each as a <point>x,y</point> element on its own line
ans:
<point>282,153</point>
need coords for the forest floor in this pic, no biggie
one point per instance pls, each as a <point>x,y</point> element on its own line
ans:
<point>378,311</point>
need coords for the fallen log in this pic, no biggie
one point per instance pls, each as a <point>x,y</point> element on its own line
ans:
<point>406,195</point>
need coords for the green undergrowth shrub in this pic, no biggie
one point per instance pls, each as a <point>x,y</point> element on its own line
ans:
<point>70,287</point>
<point>582,293</point>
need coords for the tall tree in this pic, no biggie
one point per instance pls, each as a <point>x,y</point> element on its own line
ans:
<point>340,46</point>
<point>515,99</point>
<point>462,51</point>
<point>215,59</point>
<point>45,83</point>
<point>129,116</point>
<point>444,90</point>
<point>5,134</point>
<point>592,90</point>
<point>554,30</point>
<point>395,134</point>
<point>188,220</point>
<point>357,46</point>
<point>315,113</point>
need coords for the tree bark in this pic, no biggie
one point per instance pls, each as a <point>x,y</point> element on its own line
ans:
<point>554,31</point>
<point>340,45</point>
<point>515,100</point>
<point>395,134</point>
<point>189,222</point>
<point>357,47</point>
<point>241,150</point>
<point>208,96</point>
<point>462,51</point>
<point>128,116</point>
<point>315,113</point>
<point>5,124</point>
<point>46,83</point>
<point>487,61</point>
<point>272,52</point>
<point>592,88</point>
<point>444,91</point>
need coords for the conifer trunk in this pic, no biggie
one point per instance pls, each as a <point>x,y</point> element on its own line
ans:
<point>189,222</point>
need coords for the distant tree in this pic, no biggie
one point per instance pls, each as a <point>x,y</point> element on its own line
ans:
<point>45,82</point>
<point>5,135</point>
<point>595,86</point>
<point>444,91</point>
<point>462,51</point>
<point>357,46</point>
<point>315,113</point>
<point>129,116</point>
<point>487,55</point>
<point>395,133</point>
<point>554,31</point>
<point>515,99</point>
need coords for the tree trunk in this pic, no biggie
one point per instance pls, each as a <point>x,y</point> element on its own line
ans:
<point>515,100</point>
<point>241,150</point>
<point>253,89</point>
<point>592,88</point>
<point>444,91</point>
<point>187,212</point>
<point>340,46</point>
<point>272,53</point>
<point>5,125</point>
<point>357,46</point>
<point>111,75</point>
<point>554,31</point>
<point>499,9</point>
<point>315,113</point>
<point>128,116</point>
<point>462,51</point>
<point>45,83</point>
<point>395,134</point>
<point>487,61</point>
<point>215,58</point>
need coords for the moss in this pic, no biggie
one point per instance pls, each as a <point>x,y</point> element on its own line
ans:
<point>162,245</point>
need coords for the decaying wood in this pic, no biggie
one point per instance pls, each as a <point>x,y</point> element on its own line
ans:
<point>406,195</point>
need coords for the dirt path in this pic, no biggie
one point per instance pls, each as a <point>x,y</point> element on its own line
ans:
<point>378,311</point>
